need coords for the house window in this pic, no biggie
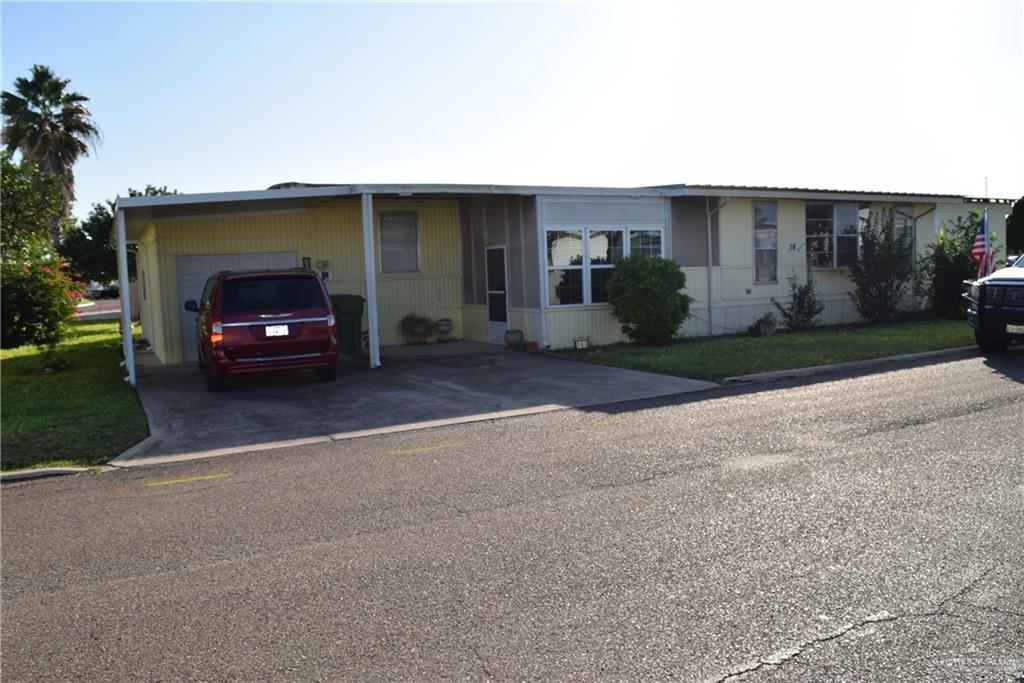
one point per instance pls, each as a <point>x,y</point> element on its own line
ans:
<point>766,242</point>
<point>399,243</point>
<point>903,224</point>
<point>565,267</point>
<point>580,262</point>
<point>606,247</point>
<point>832,234</point>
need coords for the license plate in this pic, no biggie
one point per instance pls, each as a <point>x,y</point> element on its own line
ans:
<point>1015,329</point>
<point>277,330</point>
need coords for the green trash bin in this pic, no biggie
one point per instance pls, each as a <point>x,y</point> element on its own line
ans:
<point>348,314</point>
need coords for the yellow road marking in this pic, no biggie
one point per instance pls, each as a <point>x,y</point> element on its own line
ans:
<point>610,421</point>
<point>185,480</point>
<point>427,449</point>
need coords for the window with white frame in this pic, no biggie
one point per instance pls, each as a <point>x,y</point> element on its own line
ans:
<point>399,242</point>
<point>904,224</point>
<point>581,261</point>
<point>832,232</point>
<point>766,242</point>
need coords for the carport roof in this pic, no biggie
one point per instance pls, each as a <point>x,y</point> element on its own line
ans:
<point>139,211</point>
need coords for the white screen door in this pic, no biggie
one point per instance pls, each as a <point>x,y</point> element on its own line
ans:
<point>497,295</point>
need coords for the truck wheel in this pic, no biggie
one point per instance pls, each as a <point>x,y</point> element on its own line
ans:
<point>988,342</point>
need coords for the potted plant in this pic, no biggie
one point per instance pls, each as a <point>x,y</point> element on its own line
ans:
<point>415,328</point>
<point>444,327</point>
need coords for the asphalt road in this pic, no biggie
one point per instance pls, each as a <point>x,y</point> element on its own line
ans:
<point>867,527</point>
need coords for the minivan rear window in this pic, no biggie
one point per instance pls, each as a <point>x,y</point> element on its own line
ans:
<point>270,294</point>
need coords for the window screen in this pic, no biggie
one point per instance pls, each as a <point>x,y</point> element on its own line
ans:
<point>399,243</point>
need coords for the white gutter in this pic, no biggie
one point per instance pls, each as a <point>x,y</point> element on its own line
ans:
<point>542,261</point>
<point>126,297</point>
<point>370,261</point>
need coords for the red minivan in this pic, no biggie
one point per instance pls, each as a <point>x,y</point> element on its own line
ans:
<point>264,321</point>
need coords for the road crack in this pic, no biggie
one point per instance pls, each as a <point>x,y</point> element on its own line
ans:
<point>781,657</point>
<point>484,667</point>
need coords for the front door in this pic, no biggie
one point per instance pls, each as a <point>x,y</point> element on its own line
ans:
<point>497,295</point>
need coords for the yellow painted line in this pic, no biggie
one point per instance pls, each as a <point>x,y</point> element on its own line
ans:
<point>611,421</point>
<point>185,480</point>
<point>428,449</point>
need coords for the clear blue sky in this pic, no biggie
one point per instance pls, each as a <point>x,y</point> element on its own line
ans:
<point>888,96</point>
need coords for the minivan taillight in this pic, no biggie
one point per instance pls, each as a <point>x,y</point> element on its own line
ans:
<point>331,325</point>
<point>216,332</point>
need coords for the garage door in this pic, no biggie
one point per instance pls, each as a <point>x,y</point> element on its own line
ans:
<point>193,272</point>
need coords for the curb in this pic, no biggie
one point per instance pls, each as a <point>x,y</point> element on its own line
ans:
<point>40,473</point>
<point>760,377</point>
<point>129,459</point>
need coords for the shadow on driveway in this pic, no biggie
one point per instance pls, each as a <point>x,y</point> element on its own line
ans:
<point>407,393</point>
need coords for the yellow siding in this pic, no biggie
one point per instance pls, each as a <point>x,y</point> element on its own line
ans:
<point>594,322</point>
<point>527,320</point>
<point>474,322</point>
<point>331,232</point>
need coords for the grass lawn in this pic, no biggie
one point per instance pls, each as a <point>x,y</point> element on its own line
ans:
<point>83,415</point>
<point>719,357</point>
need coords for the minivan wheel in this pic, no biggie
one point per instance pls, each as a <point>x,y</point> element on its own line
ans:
<point>202,365</point>
<point>328,374</point>
<point>988,342</point>
<point>214,382</point>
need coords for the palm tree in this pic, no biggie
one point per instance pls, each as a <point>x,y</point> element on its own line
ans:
<point>51,127</point>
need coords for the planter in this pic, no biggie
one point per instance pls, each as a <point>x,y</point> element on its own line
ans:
<point>444,327</point>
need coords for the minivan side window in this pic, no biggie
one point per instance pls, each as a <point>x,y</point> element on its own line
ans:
<point>207,294</point>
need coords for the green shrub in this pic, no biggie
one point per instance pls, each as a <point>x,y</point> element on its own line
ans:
<point>882,270</point>
<point>646,296</point>
<point>946,264</point>
<point>804,308</point>
<point>38,295</point>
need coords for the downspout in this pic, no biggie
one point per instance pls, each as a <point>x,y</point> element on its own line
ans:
<point>707,209</point>
<point>542,249</point>
<point>126,297</point>
<point>370,260</point>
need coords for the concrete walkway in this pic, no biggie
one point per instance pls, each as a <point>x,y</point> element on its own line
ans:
<point>416,388</point>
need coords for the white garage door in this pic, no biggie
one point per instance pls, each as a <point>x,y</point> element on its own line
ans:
<point>194,271</point>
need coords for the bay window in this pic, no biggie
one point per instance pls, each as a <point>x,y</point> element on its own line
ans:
<point>581,261</point>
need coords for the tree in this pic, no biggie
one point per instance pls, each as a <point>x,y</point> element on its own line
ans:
<point>52,128</point>
<point>88,246</point>
<point>646,296</point>
<point>38,295</point>
<point>947,263</point>
<point>882,270</point>
<point>30,199</point>
<point>1015,229</point>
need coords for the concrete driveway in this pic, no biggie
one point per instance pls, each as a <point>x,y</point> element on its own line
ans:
<point>417,387</point>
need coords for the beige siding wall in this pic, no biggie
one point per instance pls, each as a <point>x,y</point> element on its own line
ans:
<point>736,299</point>
<point>331,232</point>
<point>474,322</point>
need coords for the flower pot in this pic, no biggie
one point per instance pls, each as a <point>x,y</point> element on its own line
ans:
<point>444,327</point>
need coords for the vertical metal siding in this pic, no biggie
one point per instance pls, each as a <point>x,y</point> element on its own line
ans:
<point>331,232</point>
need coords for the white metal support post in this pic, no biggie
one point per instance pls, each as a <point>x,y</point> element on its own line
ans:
<point>126,297</point>
<point>370,259</point>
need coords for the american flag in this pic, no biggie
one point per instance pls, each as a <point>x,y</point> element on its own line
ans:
<point>981,252</point>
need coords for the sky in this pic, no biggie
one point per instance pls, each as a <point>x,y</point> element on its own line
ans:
<point>890,96</point>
